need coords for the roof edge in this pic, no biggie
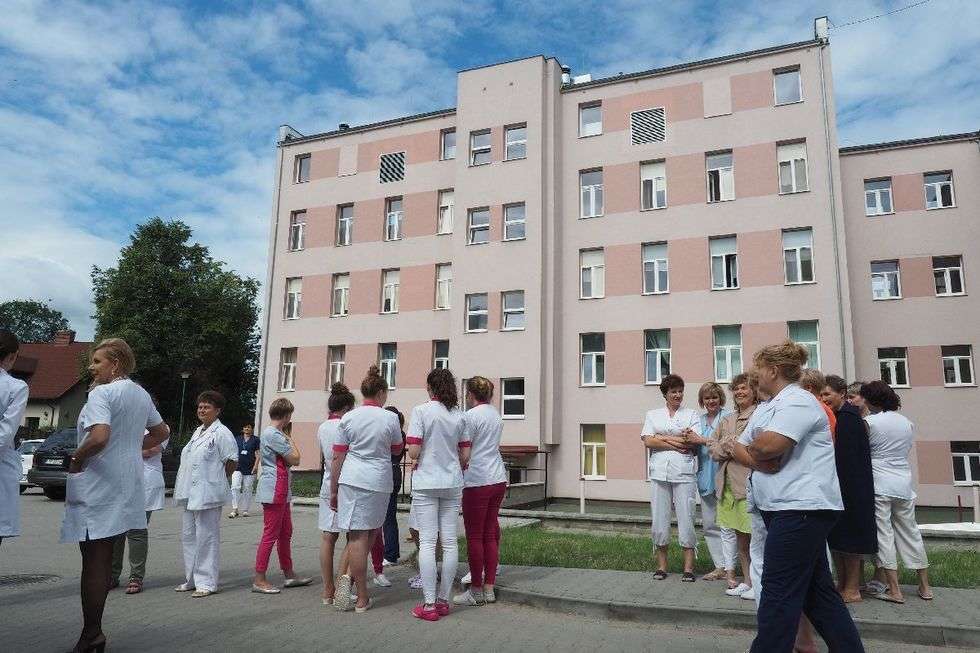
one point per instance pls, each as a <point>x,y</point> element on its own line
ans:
<point>910,142</point>
<point>370,126</point>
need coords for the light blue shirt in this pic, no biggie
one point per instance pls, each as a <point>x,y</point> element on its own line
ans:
<point>272,443</point>
<point>706,464</point>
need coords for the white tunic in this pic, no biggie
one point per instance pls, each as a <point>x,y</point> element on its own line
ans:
<point>153,486</point>
<point>326,435</point>
<point>671,466</point>
<point>13,402</point>
<point>106,498</point>
<point>201,479</point>
<point>891,436</point>
<point>483,426</point>
<point>440,432</point>
<point>369,434</point>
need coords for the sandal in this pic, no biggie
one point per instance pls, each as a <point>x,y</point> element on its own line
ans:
<point>660,574</point>
<point>885,596</point>
<point>135,586</point>
<point>717,574</point>
<point>926,597</point>
<point>688,577</point>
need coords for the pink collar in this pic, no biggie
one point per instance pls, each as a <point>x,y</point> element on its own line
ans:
<point>371,402</point>
<point>334,416</point>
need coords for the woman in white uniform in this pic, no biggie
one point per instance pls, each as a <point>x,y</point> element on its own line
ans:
<point>202,488</point>
<point>439,448</point>
<point>13,402</point>
<point>672,467</point>
<point>340,402</point>
<point>361,481</point>
<point>103,497</point>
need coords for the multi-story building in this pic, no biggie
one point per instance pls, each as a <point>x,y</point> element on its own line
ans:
<point>574,240</point>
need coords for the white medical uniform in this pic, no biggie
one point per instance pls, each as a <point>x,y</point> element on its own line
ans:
<point>437,490</point>
<point>202,489</point>
<point>153,486</point>
<point>757,545</point>
<point>326,435</point>
<point>106,498</point>
<point>369,434</point>
<point>672,477</point>
<point>13,402</point>
<point>242,483</point>
<point>483,425</point>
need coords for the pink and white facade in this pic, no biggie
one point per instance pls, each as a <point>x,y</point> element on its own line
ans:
<point>582,233</point>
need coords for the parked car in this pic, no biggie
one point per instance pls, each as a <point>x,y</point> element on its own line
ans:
<point>26,451</point>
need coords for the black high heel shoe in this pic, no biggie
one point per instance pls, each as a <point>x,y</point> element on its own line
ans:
<point>97,645</point>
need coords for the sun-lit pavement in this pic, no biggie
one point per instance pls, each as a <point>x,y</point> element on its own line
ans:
<point>46,616</point>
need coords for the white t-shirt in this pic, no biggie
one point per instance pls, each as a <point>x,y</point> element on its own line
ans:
<point>440,432</point>
<point>483,426</point>
<point>891,436</point>
<point>807,479</point>
<point>761,415</point>
<point>326,435</point>
<point>671,466</point>
<point>369,434</point>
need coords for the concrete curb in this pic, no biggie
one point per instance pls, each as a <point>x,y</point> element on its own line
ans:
<point>909,633</point>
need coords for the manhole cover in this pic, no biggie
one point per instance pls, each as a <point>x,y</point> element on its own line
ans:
<point>27,579</point>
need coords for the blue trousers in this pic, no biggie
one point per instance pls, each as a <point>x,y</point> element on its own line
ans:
<point>390,527</point>
<point>796,580</point>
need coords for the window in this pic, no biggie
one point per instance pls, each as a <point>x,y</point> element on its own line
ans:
<point>728,352</point>
<point>514,318</point>
<point>389,291</point>
<point>948,272</point>
<point>297,231</point>
<point>476,312</point>
<point>445,219</point>
<point>655,274</point>
<point>512,402</point>
<point>440,354</point>
<point>345,225</point>
<point>657,348</point>
<point>806,333</point>
<point>593,273</point>
<point>294,298</point>
<point>966,462</point>
<point>878,197</point>
<point>957,364</point>
<point>721,177</point>
<point>787,85</point>
<point>653,185</point>
<point>724,263</point>
<point>479,227</point>
<point>648,126</point>
<point>792,168</point>
<point>593,451</point>
<point>939,190</point>
<point>302,168</point>
<point>515,142</point>
<point>886,280</point>
<point>480,147</point>
<point>341,294</point>
<point>590,119</point>
<point>798,255</point>
<point>335,357</point>
<point>287,369</point>
<point>514,222</point>
<point>894,365</point>
<point>393,218</point>
<point>444,284</point>
<point>593,358</point>
<point>447,144</point>
<point>392,167</point>
<point>590,184</point>
<point>388,361</point>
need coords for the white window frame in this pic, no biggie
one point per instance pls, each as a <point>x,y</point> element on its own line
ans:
<point>340,296</point>
<point>594,446</point>
<point>394,218</point>
<point>658,265</point>
<point>444,219</point>
<point>812,346</point>
<point>287,369</point>
<point>439,362</point>
<point>797,258</point>
<point>597,275</point>
<point>723,173</point>
<point>657,184</point>
<point>955,359</point>
<point>476,150</point>
<point>591,196</point>
<point>591,130</point>
<point>292,307</point>
<point>390,282</point>
<point>878,193</point>
<point>595,357</point>
<point>522,311</point>
<point>345,225</point>
<point>968,473</point>
<point>504,397</point>
<point>443,149</point>
<point>891,363</point>
<point>472,230</point>
<point>728,351</point>
<point>512,222</point>
<point>471,312</point>
<point>656,352</point>
<point>444,286</point>
<point>946,271</point>
<point>336,364</point>
<point>937,187</point>
<point>729,263</point>
<point>785,155</point>
<point>297,231</point>
<point>897,273</point>
<point>298,168</point>
<point>516,142</point>
<point>388,366</point>
<point>799,79</point>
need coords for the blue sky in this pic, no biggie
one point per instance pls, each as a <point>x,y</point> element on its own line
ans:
<point>114,112</point>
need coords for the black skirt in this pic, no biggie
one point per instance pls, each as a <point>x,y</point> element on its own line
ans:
<point>856,531</point>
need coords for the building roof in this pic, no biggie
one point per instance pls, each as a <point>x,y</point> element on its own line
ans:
<point>51,369</point>
<point>911,142</point>
<point>368,127</point>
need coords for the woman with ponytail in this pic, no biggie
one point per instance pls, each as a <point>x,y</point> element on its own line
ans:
<point>440,449</point>
<point>340,402</point>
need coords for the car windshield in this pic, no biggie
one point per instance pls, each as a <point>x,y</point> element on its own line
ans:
<point>29,447</point>
<point>65,438</point>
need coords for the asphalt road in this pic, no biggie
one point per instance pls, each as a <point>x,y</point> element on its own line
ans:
<point>46,616</point>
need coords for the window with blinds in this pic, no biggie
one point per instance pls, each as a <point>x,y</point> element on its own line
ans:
<point>392,167</point>
<point>648,126</point>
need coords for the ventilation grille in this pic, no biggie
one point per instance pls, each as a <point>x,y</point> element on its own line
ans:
<point>392,167</point>
<point>648,126</point>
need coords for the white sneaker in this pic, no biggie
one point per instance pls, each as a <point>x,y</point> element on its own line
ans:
<point>244,513</point>
<point>739,590</point>
<point>469,597</point>
<point>232,514</point>
<point>466,580</point>
<point>748,595</point>
<point>386,562</point>
<point>381,581</point>
<point>415,582</point>
<point>489,595</point>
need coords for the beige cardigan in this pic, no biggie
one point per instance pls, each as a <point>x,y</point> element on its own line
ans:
<point>730,471</point>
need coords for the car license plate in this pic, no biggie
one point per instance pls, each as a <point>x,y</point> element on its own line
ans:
<point>53,461</point>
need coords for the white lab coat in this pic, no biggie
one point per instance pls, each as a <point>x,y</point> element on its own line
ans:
<point>13,401</point>
<point>153,485</point>
<point>201,480</point>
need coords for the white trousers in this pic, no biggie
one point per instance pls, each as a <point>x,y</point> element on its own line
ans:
<point>663,495</point>
<point>242,484</point>
<point>757,550</point>
<point>722,544</point>
<point>437,512</point>
<point>200,539</point>
<point>896,523</point>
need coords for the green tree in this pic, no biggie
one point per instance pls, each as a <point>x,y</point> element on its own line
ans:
<point>31,321</point>
<point>181,311</point>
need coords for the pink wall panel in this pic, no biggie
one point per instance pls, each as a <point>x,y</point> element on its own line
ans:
<point>496,223</point>
<point>752,90</point>
<point>625,455</point>
<point>369,221</point>
<point>316,295</point>
<point>760,258</point>
<point>925,365</point>
<point>758,335</point>
<point>688,264</point>
<point>624,270</point>
<point>624,358</point>
<point>311,368</point>
<point>691,353</point>
<point>908,193</point>
<point>320,226</point>
<point>304,435</point>
<point>324,163</point>
<point>933,462</point>
<point>420,214</point>
<point>493,310</point>
<point>917,277</point>
<point>686,180</point>
<point>621,186</point>
<point>496,143</point>
<point>683,102</point>
<point>357,360</point>
<point>365,292</point>
<point>417,291</point>
<point>419,148</point>
<point>414,363</point>
<point>755,170</point>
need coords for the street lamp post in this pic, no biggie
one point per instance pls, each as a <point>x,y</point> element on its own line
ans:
<point>183,389</point>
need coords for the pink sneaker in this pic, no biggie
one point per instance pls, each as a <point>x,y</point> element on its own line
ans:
<point>432,614</point>
<point>442,607</point>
